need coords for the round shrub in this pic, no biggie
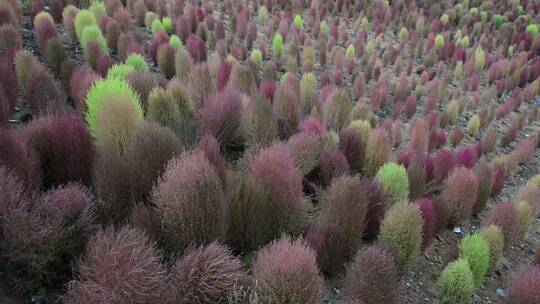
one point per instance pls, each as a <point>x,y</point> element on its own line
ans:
<point>162,108</point>
<point>120,71</point>
<point>190,200</point>
<point>372,277</point>
<point>401,230</point>
<point>337,110</point>
<point>150,149</point>
<point>92,33</point>
<point>83,19</point>
<point>525,286</point>
<point>206,274</point>
<point>221,115</point>
<point>395,181</point>
<point>165,60</point>
<point>277,45</point>
<point>428,216</point>
<point>475,250</point>
<point>494,238</point>
<point>15,155</point>
<point>352,146</point>
<point>286,272</point>
<point>273,168</point>
<point>485,177</point>
<point>378,151</point>
<point>305,150</point>
<point>101,90</point>
<point>459,194</point>
<point>456,284</point>
<point>122,266</point>
<point>506,217</point>
<point>138,62</point>
<point>376,198</point>
<point>345,207</point>
<point>332,163</point>
<point>326,240</point>
<point>64,149</point>
<point>526,217</point>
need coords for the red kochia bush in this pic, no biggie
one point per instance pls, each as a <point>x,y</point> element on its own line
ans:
<point>221,115</point>
<point>346,207</point>
<point>326,241</point>
<point>210,147</point>
<point>274,169</point>
<point>81,80</point>
<point>459,194</point>
<point>64,148</point>
<point>223,74</point>
<point>159,38</point>
<point>196,48</point>
<point>525,286</point>
<point>466,157</point>
<point>14,155</point>
<point>376,197</point>
<point>352,146</point>
<point>428,215</point>
<point>506,217</point>
<point>190,200</point>
<point>372,277</point>
<point>121,266</point>
<point>45,30</point>
<point>44,94</point>
<point>499,177</point>
<point>333,163</point>
<point>286,270</point>
<point>206,274</point>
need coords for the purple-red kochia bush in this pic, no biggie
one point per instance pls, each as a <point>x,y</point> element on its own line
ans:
<point>44,31</point>
<point>352,146</point>
<point>64,148</point>
<point>285,270</point>
<point>158,39</point>
<point>103,64</point>
<point>443,163</point>
<point>222,77</point>
<point>466,157</point>
<point>81,80</point>
<point>499,178</point>
<point>376,198</point>
<point>210,146</point>
<point>267,89</point>
<point>326,242</point>
<point>8,78</point>
<point>505,216</point>
<point>44,94</point>
<point>419,136</point>
<point>221,115</point>
<point>119,265</point>
<point>428,215</point>
<point>142,83</point>
<point>332,163</point>
<point>525,286</point>
<point>15,156</point>
<point>206,274</point>
<point>196,48</point>
<point>373,277</point>
<point>459,194</point>
<point>312,125</point>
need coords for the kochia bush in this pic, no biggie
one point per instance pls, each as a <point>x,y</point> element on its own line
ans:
<point>475,250</point>
<point>456,284</point>
<point>459,194</point>
<point>395,181</point>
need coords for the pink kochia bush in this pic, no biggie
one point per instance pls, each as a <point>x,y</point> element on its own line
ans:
<point>346,207</point>
<point>525,286</point>
<point>81,80</point>
<point>286,270</point>
<point>122,266</point>
<point>196,48</point>
<point>221,115</point>
<point>190,201</point>
<point>64,148</point>
<point>459,194</point>
<point>274,169</point>
<point>206,274</point>
<point>372,278</point>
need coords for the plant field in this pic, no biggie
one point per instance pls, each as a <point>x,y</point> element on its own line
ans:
<point>269,151</point>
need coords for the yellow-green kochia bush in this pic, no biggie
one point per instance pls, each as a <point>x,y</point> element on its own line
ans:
<point>92,33</point>
<point>298,22</point>
<point>104,88</point>
<point>120,71</point>
<point>277,45</point>
<point>494,238</point>
<point>83,19</point>
<point>474,249</point>
<point>257,57</point>
<point>137,62</point>
<point>456,284</point>
<point>395,181</point>
<point>401,230</point>
<point>526,217</point>
<point>473,126</point>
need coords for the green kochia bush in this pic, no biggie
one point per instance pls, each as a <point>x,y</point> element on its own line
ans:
<point>137,62</point>
<point>83,19</point>
<point>92,33</point>
<point>395,181</point>
<point>456,284</point>
<point>110,87</point>
<point>277,45</point>
<point>475,250</point>
<point>494,238</point>
<point>401,230</point>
